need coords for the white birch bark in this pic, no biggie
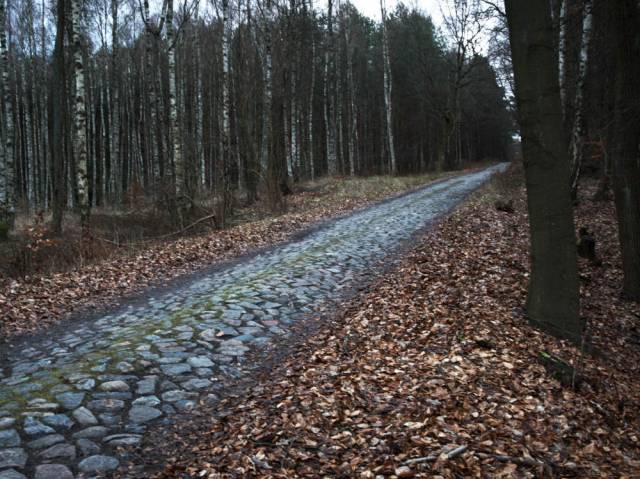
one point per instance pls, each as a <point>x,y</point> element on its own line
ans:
<point>295,137</point>
<point>329,95</point>
<point>293,122</point>
<point>226,108</point>
<point>115,180</point>
<point>562,44</point>
<point>287,144</point>
<point>80,115</point>
<point>577,134</point>
<point>387,90</point>
<point>311,94</point>
<point>198,112</point>
<point>353,130</point>
<point>44,177</point>
<point>27,101</point>
<point>174,139</point>
<point>339,113</point>
<point>268,90</point>
<point>103,144</point>
<point>7,165</point>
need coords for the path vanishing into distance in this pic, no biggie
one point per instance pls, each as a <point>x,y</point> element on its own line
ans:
<point>70,399</point>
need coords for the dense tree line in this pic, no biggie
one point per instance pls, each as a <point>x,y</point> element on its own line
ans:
<point>104,100</point>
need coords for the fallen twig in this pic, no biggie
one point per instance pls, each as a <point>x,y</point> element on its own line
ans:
<point>522,461</point>
<point>447,456</point>
<point>208,217</point>
<point>155,238</point>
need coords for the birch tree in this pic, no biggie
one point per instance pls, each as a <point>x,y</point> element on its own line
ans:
<point>159,115</point>
<point>226,114</point>
<point>353,114</point>
<point>80,115</point>
<point>114,109</point>
<point>562,47</point>
<point>577,133</point>
<point>268,89</point>
<point>174,135</point>
<point>329,95</point>
<point>312,89</point>
<point>7,169</point>
<point>386,66</point>
<point>293,112</point>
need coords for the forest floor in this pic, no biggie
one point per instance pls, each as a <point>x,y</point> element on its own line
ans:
<point>73,398</point>
<point>435,372</point>
<point>79,275</point>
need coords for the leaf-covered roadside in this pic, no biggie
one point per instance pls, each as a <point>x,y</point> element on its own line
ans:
<point>35,302</point>
<point>436,373</point>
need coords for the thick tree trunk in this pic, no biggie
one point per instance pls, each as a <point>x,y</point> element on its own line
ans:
<point>553,296</point>
<point>625,162</point>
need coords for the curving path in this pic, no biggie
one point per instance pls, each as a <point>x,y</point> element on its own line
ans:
<point>70,400</point>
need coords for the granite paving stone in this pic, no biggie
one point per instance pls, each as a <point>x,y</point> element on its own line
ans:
<point>98,464</point>
<point>53,471</point>
<point>13,457</point>
<point>11,474</point>
<point>9,438</point>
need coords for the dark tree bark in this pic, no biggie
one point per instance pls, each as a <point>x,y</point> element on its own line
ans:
<point>553,296</point>
<point>58,120</point>
<point>626,169</point>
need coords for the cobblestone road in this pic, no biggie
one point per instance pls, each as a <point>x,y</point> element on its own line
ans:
<point>68,401</point>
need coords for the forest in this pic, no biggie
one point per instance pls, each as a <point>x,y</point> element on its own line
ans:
<point>105,101</point>
<point>292,240</point>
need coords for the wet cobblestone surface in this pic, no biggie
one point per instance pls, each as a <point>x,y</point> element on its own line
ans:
<point>70,400</point>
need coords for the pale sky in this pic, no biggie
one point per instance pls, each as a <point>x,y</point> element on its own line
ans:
<point>371,8</point>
